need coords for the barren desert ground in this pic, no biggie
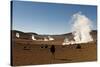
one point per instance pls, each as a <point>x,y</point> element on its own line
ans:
<point>29,52</point>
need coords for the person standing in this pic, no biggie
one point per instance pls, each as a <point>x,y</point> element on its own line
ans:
<point>52,50</point>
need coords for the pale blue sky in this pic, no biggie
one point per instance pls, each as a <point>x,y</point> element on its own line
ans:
<point>48,18</point>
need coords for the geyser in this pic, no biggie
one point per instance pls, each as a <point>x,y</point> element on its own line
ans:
<point>81,28</point>
<point>17,35</point>
<point>33,37</point>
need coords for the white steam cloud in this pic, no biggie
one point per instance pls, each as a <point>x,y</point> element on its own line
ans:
<point>82,28</point>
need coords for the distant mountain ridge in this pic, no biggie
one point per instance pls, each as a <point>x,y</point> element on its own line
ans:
<point>17,31</point>
<point>27,35</point>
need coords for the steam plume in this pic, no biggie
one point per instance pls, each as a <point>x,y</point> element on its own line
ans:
<point>82,28</point>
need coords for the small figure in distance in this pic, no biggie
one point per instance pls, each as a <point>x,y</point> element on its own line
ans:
<point>52,50</point>
<point>78,46</point>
